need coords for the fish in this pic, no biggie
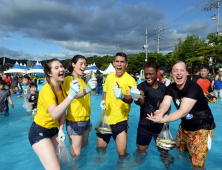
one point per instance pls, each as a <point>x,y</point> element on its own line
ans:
<point>165,144</point>
<point>104,130</point>
<point>92,75</point>
<point>211,99</point>
<point>117,85</point>
<point>140,93</point>
<point>74,77</point>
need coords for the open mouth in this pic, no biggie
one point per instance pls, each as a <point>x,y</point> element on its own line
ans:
<point>149,80</point>
<point>61,75</point>
<point>179,78</point>
<point>119,69</point>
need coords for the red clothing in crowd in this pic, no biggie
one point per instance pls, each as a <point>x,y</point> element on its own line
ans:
<point>205,84</point>
<point>159,77</point>
<point>7,80</point>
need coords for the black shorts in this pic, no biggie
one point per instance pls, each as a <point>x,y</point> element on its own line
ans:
<point>116,129</point>
<point>37,133</point>
<point>144,139</point>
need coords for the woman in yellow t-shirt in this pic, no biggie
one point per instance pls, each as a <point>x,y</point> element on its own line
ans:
<point>78,114</point>
<point>43,134</point>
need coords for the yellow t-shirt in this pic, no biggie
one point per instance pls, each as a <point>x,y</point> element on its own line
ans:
<point>79,109</point>
<point>117,110</point>
<point>47,98</point>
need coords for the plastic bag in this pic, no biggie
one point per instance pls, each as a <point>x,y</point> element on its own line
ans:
<point>26,105</point>
<point>64,157</point>
<point>102,126</point>
<point>165,139</point>
<point>211,99</point>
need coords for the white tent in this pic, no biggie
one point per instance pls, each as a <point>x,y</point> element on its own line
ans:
<point>16,69</point>
<point>36,69</point>
<point>109,70</point>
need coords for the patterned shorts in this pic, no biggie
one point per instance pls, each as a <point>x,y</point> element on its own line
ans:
<point>77,128</point>
<point>195,142</point>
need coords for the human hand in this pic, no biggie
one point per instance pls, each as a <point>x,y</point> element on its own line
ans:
<point>12,106</point>
<point>62,136</point>
<point>118,93</point>
<point>103,105</point>
<point>92,83</point>
<point>74,89</point>
<point>135,93</point>
<point>159,113</point>
<point>156,118</point>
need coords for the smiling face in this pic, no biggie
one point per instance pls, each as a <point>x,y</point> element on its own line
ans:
<point>179,74</point>
<point>25,81</point>
<point>204,72</point>
<point>57,71</point>
<point>150,75</point>
<point>79,67</point>
<point>120,65</point>
<point>33,89</point>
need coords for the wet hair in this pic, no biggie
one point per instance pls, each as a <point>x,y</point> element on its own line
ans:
<point>176,62</point>
<point>203,66</point>
<point>47,69</point>
<point>196,70</point>
<point>2,82</point>
<point>122,55</point>
<point>151,63</point>
<point>33,85</point>
<point>74,60</point>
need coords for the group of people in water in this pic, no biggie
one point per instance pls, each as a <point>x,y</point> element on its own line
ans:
<point>154,98</point>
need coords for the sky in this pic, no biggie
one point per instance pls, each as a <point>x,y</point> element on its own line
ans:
<point>64,28</point>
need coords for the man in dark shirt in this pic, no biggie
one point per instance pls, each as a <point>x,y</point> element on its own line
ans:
<point>154,92</point>
<point>99,88</point>
<point>197,126</point>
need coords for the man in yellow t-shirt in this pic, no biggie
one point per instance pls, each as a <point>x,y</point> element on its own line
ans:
<point>116,101</point>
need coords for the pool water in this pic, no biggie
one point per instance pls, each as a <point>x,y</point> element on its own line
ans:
<point>16,152</point>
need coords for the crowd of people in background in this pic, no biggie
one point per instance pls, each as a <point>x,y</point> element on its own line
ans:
<point>153,95</point>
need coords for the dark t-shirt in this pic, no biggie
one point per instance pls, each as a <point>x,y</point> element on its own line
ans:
<point>200,116</point>
<point>3,100</point>
<point>153,99</point>
<point>99,81</point>
<point>33,99</point>
<point>195,78</point>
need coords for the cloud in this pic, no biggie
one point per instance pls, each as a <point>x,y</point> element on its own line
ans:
<point>88,26</point>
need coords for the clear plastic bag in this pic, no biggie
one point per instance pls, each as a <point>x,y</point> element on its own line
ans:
<point>102,126</point>
<point>165,139</point>
<point>64,157</point>
<point>26,105</point>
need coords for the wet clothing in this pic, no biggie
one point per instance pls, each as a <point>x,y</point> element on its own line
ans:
<point>38,133</point>
<point>200,116</point>
<point>47,98</point>
<point>79,109</point>
<point>27,91</point>
<point>218,82</point>
<point>116,129</point>
<point>4,94</point>
<point>153,99</point>
<point>144,139</point>
<point>159,76</point>
<point>205,84</point>
<point>195,78</point>
<point>33,99</point>
<point>117,110</point>
<point>195,142</point>
<point>77,128</point>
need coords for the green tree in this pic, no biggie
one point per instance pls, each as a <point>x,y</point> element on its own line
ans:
<point>211,55</point>
<point>214,39</point>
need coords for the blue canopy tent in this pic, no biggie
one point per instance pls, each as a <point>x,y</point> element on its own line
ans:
<point>36,69</point>
<point>16,69</point>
